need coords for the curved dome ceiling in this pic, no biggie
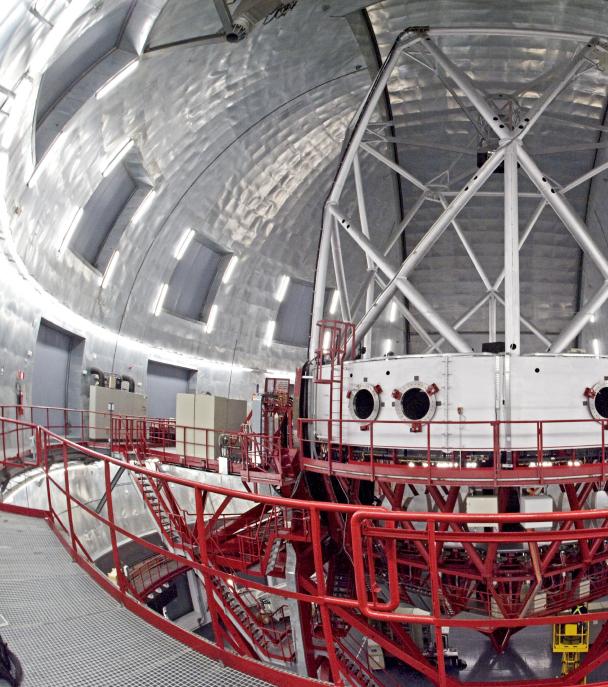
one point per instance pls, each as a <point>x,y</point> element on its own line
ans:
<point>240,141</point>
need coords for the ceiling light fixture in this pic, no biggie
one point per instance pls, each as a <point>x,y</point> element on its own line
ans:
<point>282,290</point>
<point>211,319</point>
<point>69,232</point>
<point>335,299</point>
<point>116,79</point>
<point>118,158</point>
<point>143,206</point>
<point>230,269</point>
<point>105,280</point>
<point>268,339</point>
<point>182,246</point>
<point>160,299</point>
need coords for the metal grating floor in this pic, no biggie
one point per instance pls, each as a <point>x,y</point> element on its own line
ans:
<point>68,632</point>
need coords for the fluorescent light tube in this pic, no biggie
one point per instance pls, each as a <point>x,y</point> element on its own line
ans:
<point>116,79</point>
<point>229,269</point>
<point>211,319</point>
<point>335,299</point>
<point>105,280</point>
<point>160,299</point>
<point>143,206</point>
<point>282,290</point>
<point>182,246</point>
<point>69,232</point>
<point>117,159</point>
<point>269,333</point>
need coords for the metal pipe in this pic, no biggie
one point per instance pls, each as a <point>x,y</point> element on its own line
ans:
<point>468,314</point>
<point>531,222</point>
<point>564,211</point>
<point>394,166</point>
<point>406,288</point>
<point>369,293</point>
<point>411,318</point>
<point>431,236</point>
<point>477,98</point>
<point>518,33</point>
<point>492,318</point>
<point>336,252</point>
<point>404,223</point>
<point>578,322</point>
<point>364,115</point>
<point>584,177</point>
<point>467,246</point>
<point>527,324</point>
<point>318,302</point>
<point>511,258</point>
<point>564,75</point>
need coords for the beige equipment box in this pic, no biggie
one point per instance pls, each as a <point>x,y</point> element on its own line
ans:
<point>196,413</point>
<point>124,403</point>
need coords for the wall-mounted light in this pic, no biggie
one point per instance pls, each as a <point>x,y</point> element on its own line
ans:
<point>69,232</point>
<point>143,206</point>
<point>185,241</point>
<point>160,299</point>
<point>269,337</point>
<point>335,299</point>
<point>211,319</point>
<point>596,346</point>
<point>388,346</point>
<point>116,79</point>
<point>107,276</point>
<point>118,158</point>
<point>229,269</point>
<point>282,290</point>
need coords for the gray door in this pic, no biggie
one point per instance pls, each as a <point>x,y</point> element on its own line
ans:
<point>50,376</point>
<point>163,384</point>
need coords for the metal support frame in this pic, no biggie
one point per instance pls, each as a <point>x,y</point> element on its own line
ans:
<point>511,131</point>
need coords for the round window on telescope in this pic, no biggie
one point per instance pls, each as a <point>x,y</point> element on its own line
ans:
<point>601,401</point>
<point>363,404</point>
<point>415,403</point>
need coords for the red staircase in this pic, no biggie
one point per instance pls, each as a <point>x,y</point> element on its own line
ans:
<point>269,633</point>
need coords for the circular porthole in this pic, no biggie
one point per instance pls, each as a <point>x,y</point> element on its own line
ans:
<point>364,402</point>
<point>598,401</point>
<point>415,403</point>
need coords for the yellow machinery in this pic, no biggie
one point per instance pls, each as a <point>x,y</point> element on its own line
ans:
<point>571,640</point>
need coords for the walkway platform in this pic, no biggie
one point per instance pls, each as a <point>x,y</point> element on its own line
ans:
<point>68,632</point>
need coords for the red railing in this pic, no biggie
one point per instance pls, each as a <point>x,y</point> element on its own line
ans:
<point>380,543</point>
<point>216,450</point>
<point>428,459</point>
<point>147,575</point>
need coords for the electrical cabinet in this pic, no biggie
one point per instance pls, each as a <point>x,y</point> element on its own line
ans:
<point>201,418</point>
<point>123,403</point>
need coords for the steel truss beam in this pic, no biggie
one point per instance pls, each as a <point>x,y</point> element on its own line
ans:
<point>510,152</point>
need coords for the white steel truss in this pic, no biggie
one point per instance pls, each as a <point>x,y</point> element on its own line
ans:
<point>385,285</point>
